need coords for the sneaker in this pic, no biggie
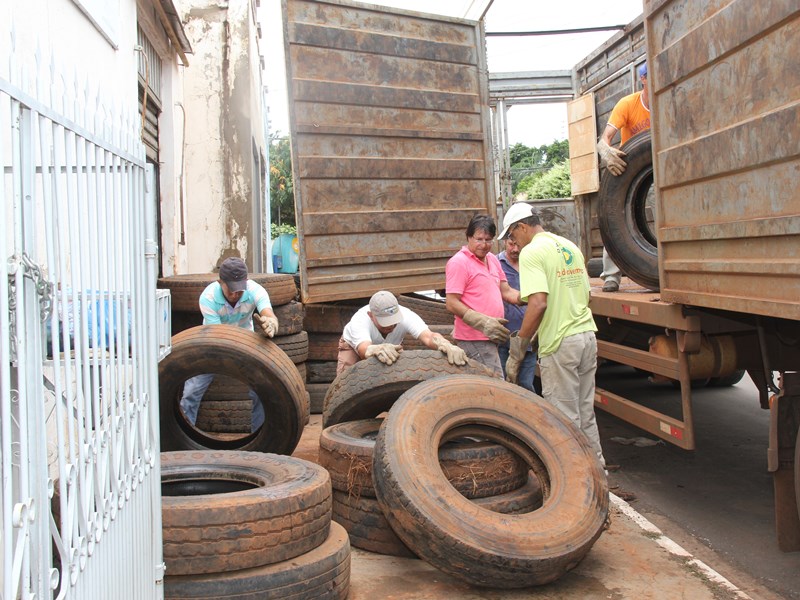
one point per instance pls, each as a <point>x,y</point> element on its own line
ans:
<point>611,286</point>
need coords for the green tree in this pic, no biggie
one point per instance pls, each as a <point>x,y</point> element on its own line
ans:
<point>281,185</point>
<point>528,165</point>
<point>553,184</point>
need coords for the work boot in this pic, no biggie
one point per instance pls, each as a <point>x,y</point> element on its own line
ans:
<point>611,286</point>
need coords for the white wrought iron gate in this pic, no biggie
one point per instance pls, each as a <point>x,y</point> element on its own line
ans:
<point>81,503</point>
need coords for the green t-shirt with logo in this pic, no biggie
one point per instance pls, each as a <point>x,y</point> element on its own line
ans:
<point>554,265</point>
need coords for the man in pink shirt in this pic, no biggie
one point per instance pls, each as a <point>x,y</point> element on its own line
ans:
<point>475,288</point>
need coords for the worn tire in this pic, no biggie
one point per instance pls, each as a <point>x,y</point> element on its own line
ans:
<point>321,574</point>
<point>370,387</point>
<point>330,317</point>
<point>626,228</point>
<point>477,469</point>
<point>316,393</point>
<point>225,416</point>
<point>295,346</point>
<point>433,312</point>
<point>321,371</point>
<point>290,318</point>
<point>450,532</point>
<point>244,355</point>
<point>368,528</point>
<point>323,346</point>
<point>186,289</point>
<point>224,511</point>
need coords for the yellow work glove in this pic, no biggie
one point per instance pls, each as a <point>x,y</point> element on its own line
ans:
<point>386,353</point>
<point>455,355</point>
<point>611,158</point>
<point>268,324</point>
<point>517,348</point>
<point>489,326</point>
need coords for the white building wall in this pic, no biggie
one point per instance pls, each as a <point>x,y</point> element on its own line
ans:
<point>224,114</point>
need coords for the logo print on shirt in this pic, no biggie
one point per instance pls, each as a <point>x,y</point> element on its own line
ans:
<point>567,255</point>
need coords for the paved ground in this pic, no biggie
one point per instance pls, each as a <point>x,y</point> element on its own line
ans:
<point>630,560</point>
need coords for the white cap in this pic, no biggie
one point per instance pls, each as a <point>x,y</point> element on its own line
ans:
<point>384,307</point>
<point>517,212</point>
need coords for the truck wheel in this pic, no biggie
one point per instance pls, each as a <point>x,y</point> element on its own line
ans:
<point>594,267</point>
<point>248,357</point>
<point>370,387</point>
<point>626,214</point>
<point>223,511</point>
<point>477,469</point>
<point>447,530</point>
<point>186,289</point>
<point>728,380</point>
<point>321,574</point>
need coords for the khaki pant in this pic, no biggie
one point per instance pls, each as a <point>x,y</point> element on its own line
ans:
<point>483,351</point>
<point>568,383</point>
<point>347,356</point>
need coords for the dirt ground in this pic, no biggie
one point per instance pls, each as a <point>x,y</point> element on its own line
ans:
<point>630,560</point>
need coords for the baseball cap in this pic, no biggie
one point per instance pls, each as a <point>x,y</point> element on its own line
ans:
<point>233,272</point>
<point>643,70</point>
<point>384,307</point>
<point>517,212</point>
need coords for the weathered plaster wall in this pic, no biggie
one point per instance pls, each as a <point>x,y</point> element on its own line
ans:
<point>221,125</point>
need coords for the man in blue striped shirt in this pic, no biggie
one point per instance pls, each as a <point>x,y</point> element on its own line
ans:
<point>233,300</point>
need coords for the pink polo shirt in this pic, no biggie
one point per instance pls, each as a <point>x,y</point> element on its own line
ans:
<point>479,287</point>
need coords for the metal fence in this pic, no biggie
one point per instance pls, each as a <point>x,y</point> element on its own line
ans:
<point>79,345</point>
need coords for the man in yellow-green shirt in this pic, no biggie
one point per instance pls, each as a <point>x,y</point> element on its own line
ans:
<point>554,282</point>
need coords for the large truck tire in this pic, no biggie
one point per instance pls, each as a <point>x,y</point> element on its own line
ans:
<point>626,214</point>
<point>248,357</point>
<point>290,317</point>
<point>447,530</point>
<point>412,343</point>
<point>321,574</point>
<point>225,511</point>
<point>295,346</point>
<point>370,387</point>
<point>186,289</point>
<point>433,312</point>
<point>477,469</point>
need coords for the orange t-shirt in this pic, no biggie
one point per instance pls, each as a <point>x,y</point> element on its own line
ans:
<point>630,116</point>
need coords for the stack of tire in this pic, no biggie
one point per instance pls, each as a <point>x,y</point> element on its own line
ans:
<point>242,525</point>
<point>479,477</point>
<point>325,322</point>
<point>226,403</point>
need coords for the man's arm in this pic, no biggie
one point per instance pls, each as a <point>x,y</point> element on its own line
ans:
<point>510,295</point>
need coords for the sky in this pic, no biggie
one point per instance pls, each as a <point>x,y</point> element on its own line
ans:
<point>532,125</point>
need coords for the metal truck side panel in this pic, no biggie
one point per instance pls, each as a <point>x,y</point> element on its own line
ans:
<point>391,151</point>
<point>725,96</point>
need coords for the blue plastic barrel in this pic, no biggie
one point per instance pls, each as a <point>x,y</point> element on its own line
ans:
<point>285,253</point>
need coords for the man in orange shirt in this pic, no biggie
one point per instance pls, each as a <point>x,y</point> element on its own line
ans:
<point>630,116</point>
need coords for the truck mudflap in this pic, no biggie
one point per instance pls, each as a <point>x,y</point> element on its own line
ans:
<point>783,460</point>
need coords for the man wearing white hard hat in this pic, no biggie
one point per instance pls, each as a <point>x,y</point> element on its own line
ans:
<point>554,282</point>
<point>378,330</point>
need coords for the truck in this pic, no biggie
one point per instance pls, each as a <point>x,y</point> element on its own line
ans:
<point>394,147</point>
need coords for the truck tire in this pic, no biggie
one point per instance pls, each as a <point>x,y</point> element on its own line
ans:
<point>330,317</point>
<point>594,267</point>
<point>224,511</point>
<point>316,393</point>
<point>244,355</point>
<point>290,318</point>
<point>446,529</point>
<point>727,380</point>
<point>295,346</point>
<point>412,343</point>
<point>625,214</point>
<point>368,528</point>
<point>370,387</point>
<point>477,469</point>
<point>323,346</point>
<point>433,312</point>
<point>321,574</point>
<point>186,289</point>
<point>321,371</point>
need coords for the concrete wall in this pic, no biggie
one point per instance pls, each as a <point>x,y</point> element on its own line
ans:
<point>224,121</point>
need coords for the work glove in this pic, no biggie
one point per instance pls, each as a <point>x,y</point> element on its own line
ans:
<point>386,353</point>
<point>268,324</point>
<point>489,326</point>
<point>517,348</point>
<point>611,158</point>
<point>455,355</point>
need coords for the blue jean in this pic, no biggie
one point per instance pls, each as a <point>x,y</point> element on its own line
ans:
<point>195,388</point>
<point>527,370</point>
